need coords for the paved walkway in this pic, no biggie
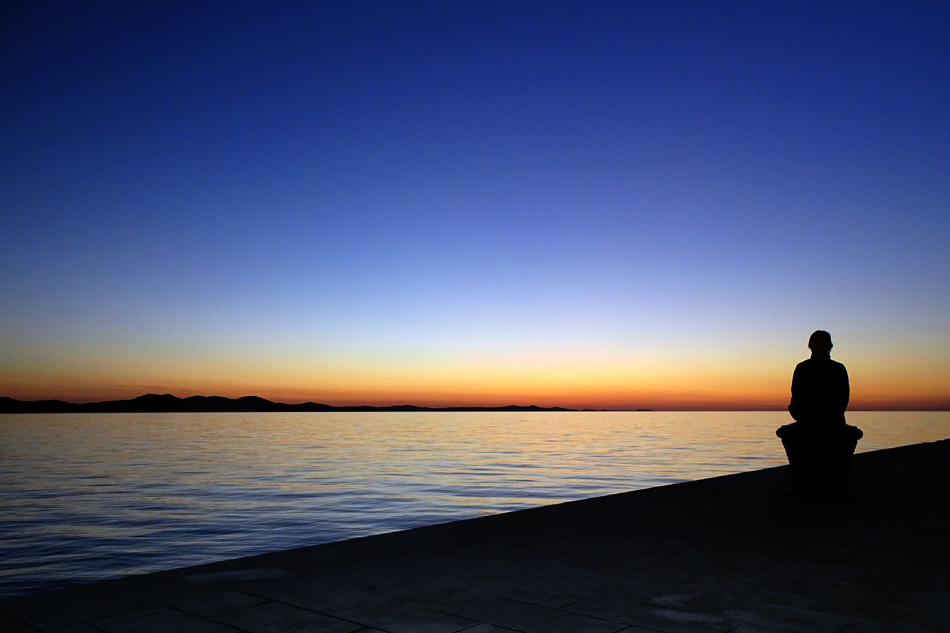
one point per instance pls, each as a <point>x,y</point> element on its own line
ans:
<point>733,553</point>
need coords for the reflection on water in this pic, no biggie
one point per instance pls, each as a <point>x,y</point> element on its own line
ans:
<point>91,496</point>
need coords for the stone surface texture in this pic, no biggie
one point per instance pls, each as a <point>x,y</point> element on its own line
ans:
<point>735,554</point>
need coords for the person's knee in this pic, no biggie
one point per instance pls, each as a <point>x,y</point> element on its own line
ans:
<point>789,431</point>
<point>853,432</point>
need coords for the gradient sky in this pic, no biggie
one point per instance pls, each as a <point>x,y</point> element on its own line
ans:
<point>592,204</point>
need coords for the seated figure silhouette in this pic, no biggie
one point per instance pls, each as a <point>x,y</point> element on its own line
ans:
<point>819,444</point>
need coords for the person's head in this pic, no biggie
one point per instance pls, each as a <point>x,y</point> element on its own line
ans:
<point>820,342</point>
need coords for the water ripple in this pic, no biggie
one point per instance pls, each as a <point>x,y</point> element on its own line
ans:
<point>94,496</point>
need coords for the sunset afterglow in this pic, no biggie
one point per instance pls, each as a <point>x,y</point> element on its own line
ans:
<point>619,205</point>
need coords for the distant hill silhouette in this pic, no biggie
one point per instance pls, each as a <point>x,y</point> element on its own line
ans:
<point>154,403</point>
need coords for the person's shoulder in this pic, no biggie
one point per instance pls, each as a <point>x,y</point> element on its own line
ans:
<point>839,366</point>
<point>802,370</point>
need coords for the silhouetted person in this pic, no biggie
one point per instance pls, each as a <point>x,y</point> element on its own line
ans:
<point>819,444</point>
<point>820,388</point>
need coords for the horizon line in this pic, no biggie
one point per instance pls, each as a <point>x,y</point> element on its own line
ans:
<point>53,405</point>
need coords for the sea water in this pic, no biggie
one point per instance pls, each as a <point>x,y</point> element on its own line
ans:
<point>85,497</point>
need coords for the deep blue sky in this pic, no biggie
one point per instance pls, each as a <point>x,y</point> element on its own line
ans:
<point>593,203</point>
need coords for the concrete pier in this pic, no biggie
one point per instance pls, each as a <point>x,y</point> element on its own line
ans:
<point>735,553</point>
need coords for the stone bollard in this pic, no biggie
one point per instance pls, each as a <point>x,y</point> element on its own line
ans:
<point>819,457</point>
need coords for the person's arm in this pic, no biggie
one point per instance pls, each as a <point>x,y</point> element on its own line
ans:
<point>845,392</point>
<point>794,407</point>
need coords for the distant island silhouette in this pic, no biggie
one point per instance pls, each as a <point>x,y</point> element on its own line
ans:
<point>167,403</point>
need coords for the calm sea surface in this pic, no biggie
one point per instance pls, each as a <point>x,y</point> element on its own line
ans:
<point>93,496</point>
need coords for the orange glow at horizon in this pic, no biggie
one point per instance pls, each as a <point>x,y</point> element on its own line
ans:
<point>660,388</point>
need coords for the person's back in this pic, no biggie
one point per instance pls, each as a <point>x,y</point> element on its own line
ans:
<point>820,391</point>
